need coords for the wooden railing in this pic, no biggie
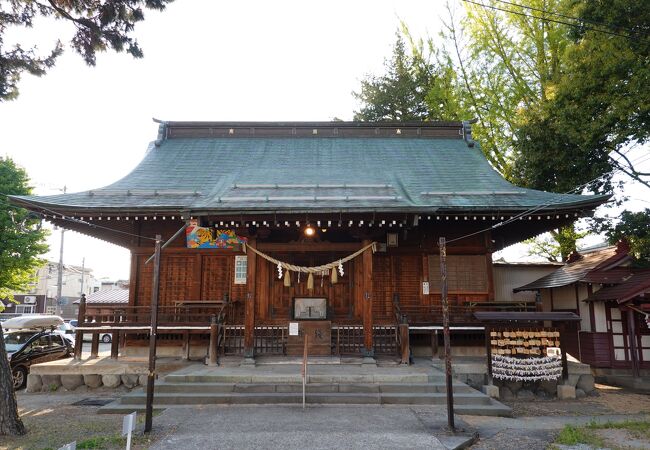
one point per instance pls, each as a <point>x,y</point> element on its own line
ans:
<point>270,339</point>
<point>460,312</point>
<point>347,339</point>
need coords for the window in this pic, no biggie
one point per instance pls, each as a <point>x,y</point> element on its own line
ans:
<point>24,309</point>
<point>50,310</point>
<point>241,267</point>
<point>57,341</point>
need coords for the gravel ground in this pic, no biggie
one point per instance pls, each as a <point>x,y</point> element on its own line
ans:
<point>534,429</point>
<point>53,420</point>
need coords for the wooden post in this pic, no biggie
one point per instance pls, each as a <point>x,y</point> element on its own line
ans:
<point>153,336</point>
<point>434,346</point>
<point>249,306</point>
<point>367,302</point>
<point>634,352</point>
<point>445,330</point>
<point>565,363</point>
<point>212,351</point>
<point>94,346</point>
<point>115,345</point>
<point>79,335</point>
<point>186,346</point>
<point>405,350</point>
<point>488,351</point>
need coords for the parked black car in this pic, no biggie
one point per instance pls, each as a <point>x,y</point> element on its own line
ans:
<point>27,347</point>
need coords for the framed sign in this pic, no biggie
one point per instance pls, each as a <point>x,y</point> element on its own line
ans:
<point>309,308</point>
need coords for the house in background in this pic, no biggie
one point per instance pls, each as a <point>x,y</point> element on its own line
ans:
<point>610,295</point>
<point>106,284</point>
<point>105,301</point>
<point>41,298</point>
<point>510,275</point>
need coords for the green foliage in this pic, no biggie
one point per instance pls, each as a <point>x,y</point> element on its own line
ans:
<point>639,428</point>
<point>99,26</point>
<point>635,227</point>
<point>21,239</point>
<point>399,94</point>
<point>572,435</point>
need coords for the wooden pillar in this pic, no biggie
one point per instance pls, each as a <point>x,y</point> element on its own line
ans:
<point>367,301</point>
<point>634,352</point>
<point>405,349</point>
<point>488,351</point>
<point>79,335</point>
<point>212,351</point>
<point>249,307</point>
<point>94,346</point>
<point>565,364</point>
<point>434,345</point>
<point>186,346</point>
<point>115,344</point>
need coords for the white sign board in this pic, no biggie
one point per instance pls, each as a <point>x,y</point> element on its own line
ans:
<point>128,427</point>
<point>128,423</point>
<point>425,288</point>
<point>293,328</point>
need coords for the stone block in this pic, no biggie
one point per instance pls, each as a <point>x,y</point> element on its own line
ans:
<point>505,393</point>
<point>34,383</point>
<point>566,392</point>
<point>514,386</point>
<point>142,379</point>
<point>586,383</point>
<point>550,387</point>
<point>130,381</point>
<point>93,381</point>
<point>525,394</point>
<point>490,390</point>
<point>50,382</point>
<point>580,393</point>
<point>72,382</point>
<point>111,381</point>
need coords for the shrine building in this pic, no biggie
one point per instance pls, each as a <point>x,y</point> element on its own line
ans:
<point>333,226</point>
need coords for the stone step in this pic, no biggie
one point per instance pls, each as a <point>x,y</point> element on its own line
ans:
<point>312,388</point>
<point>352,398</point>
<point>296,378</point>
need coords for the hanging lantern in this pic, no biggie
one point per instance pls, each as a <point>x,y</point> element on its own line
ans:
<point>335,278</point>
<point>310,282</point>
<point>287,279</point>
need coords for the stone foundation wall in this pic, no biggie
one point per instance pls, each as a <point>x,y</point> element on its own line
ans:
<point>77,382</point>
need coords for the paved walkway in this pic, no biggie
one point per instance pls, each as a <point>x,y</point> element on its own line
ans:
<point>358,427</point>
<point>291,427</point>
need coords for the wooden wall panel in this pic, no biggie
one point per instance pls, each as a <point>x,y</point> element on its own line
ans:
<point>382,284</point>
<point>144,282</point>
<point>216,277</point>
<point>176,279</point>
<point>465,273</point>
<point>407,270</point>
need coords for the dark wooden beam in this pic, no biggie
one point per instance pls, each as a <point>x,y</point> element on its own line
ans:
<point>249,306</point>
<point>367,301</point>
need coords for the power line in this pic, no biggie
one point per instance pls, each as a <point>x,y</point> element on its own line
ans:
<point>548,19</point>
<point>564,16</point>
<point>79,221</point>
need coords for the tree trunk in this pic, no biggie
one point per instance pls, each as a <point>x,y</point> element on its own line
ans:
<point>10,423</point>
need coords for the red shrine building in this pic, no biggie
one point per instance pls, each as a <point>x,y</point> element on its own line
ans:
<point>331,225</point>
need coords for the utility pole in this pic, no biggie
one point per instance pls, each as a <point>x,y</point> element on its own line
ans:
<point>445,331</point>
<point>83,272</point>
<point>60,276</point>
<point>152,337</point>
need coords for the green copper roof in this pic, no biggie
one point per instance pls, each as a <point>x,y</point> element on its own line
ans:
<point>245,174</point>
